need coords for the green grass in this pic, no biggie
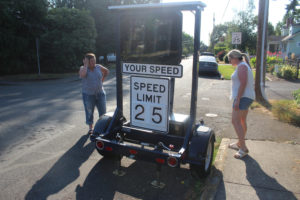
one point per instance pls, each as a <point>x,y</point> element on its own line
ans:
<point>217,145</point>
<point>284,110</point>
<point>227,71</point>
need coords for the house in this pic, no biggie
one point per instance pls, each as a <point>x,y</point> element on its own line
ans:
<point>274,43</point>
<point>291,40</point>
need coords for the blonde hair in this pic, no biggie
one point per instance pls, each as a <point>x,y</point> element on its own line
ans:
<point>235,53</point>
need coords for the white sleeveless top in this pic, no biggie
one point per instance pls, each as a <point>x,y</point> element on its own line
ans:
<point>235,81</point>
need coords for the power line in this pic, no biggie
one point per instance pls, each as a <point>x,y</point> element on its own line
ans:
<point>225,10</point>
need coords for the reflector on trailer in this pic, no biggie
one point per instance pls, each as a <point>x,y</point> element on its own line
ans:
<point>100,145</point>
<point>160,160</point>
<point>108,148</point>
<point>172,162</point>
<point>134,152</point>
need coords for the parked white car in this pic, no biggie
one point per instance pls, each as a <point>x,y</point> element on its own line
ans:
<point>208,64</point>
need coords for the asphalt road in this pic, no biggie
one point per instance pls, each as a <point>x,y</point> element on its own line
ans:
<point>45,152</point>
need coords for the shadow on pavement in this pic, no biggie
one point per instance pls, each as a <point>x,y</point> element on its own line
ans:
<point>101,183</point>
<point>266,187</point>
<point>63,172</point>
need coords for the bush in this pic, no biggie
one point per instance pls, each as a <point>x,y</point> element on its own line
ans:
<point>296,95</point>
<point>71,33</point>
<point>274,59</point>
<point>253,62</point>
<point>221,55</point>
<point>287,72</point>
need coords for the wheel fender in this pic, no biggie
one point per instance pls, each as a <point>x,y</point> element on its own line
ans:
<point>102,124</point>
<point>199,142</point>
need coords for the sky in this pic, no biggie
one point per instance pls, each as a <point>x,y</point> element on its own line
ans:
<point>217,7</point>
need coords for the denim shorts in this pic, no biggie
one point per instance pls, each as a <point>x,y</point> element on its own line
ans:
<point>90,101</point>
<point>245,103</point>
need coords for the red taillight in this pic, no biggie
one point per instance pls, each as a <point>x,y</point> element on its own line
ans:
<point>133,152</point>
<point>172,162</point>
<point>100,145</point>
<point>160,160</point>
<point>108,148</point>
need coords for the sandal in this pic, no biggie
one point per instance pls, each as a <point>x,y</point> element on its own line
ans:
<point>90,132</point>
<point>234,146</point>
<point>240,154</point>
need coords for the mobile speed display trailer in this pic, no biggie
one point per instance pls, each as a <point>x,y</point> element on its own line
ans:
<point>148,49</point>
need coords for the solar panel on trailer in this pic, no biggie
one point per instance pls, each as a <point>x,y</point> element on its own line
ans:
<point>151,37</point>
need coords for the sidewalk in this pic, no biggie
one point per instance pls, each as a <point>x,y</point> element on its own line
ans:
<point>270,171</point>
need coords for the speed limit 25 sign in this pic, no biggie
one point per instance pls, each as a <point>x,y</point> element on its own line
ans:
<point>149,103</point>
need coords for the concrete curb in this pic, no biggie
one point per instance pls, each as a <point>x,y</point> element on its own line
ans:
<point>216,175</point>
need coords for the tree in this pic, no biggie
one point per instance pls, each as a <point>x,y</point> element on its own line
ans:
<point>292,11</point>
<point>71,33</point>
<point>218,32</point>
<point>21,22</point>
<point>271,29</point>
<point>203,47</point>
<point>278,28</point>
<point>187,44</point>
<point>244,22</point>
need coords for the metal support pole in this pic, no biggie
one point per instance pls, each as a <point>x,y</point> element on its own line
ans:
<point>172,95</point>
<point>118,69</point>
<point>38,54</point>
<point>193,109</point>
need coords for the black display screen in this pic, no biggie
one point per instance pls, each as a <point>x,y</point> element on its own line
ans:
<point>151,37</point>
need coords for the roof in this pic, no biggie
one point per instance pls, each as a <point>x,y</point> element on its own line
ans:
<point>290,36</point>
<point>179,5</point>
<point>275,38</point>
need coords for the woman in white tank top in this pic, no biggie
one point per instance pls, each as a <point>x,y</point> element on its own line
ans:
<point>242,94</point>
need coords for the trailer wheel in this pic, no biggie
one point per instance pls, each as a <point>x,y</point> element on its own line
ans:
<point>202,171</point>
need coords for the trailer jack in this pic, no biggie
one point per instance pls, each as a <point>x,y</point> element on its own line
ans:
<point>157,183</point>
<point>119,171</point>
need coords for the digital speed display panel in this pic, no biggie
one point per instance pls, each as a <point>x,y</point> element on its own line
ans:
<point>151,37</point>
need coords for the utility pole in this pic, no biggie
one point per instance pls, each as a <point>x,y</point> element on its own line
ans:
<point>261,50</point>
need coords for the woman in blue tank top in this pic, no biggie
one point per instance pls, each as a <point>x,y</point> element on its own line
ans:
<point>93,94</point>
<point>242,94</point>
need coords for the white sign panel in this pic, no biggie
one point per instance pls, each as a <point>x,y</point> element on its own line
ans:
<point>153,69</point>
<point>236,38</point>
<point>149,103</point>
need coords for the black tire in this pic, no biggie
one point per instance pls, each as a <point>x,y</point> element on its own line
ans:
<point>202,171</point>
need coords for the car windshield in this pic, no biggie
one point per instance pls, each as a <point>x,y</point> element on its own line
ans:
<point>207,59</point>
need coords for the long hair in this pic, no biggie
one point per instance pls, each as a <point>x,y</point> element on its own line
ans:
<point>235,53</point>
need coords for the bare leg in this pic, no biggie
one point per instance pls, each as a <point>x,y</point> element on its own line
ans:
<point>236,121</point>
<point>91,126</point>
<point>244,114</point>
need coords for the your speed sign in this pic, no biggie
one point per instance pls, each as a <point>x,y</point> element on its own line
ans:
<point>149,103</point>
